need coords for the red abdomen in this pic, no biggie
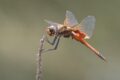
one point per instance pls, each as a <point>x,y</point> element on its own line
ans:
<point>77,35</point>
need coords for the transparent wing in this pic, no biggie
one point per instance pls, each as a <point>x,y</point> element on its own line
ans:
<point>52,23</point>
<point>87,26</point>
<point>70,19</point>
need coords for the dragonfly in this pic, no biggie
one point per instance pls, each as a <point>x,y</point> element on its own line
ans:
<point>71,28</point>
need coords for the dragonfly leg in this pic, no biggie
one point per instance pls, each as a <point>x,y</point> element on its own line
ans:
<point>56,45</point>
<point>53,42</point>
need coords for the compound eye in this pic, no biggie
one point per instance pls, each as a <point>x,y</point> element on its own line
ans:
<point>50,31</point>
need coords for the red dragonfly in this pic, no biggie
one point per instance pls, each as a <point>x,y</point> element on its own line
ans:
<point>71,28</point>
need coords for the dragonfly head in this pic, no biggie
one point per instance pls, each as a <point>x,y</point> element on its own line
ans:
<point>51,31</point>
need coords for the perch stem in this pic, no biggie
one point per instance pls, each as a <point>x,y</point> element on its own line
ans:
<point>39,60</point>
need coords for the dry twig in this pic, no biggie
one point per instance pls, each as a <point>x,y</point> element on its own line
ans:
<point>39,60</point>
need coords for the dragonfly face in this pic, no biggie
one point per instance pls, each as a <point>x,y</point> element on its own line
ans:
<point>51,31</point>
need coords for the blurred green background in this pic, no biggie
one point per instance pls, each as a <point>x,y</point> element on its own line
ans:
<point>22,25</point>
